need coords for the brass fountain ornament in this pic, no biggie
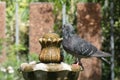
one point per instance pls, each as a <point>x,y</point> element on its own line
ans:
<point>50,48</point>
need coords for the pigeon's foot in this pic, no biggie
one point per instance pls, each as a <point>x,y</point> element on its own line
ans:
<point>78,64</point>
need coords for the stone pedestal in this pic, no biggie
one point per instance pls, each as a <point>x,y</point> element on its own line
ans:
<point>88,26</point>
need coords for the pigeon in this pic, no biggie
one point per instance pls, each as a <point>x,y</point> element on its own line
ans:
<point>78,47</point>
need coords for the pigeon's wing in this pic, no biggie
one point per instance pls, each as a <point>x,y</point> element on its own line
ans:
<point>85,48</point>
<point>82,47</point>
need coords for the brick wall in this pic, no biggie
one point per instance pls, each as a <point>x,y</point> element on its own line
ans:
<point>41,22</point>
<point>88,24</point>
<point>2,30</point>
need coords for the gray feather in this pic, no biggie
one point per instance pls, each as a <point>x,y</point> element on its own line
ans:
<point>77,46</point>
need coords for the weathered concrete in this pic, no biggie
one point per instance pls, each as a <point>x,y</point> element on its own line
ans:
<point>2,31</point>
<point>88,24</point>
<point>41,22</point>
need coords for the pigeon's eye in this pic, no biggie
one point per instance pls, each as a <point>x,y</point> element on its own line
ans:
<point>63,26</point>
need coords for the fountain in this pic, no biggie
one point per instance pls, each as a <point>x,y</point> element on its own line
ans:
<point>51,65</point>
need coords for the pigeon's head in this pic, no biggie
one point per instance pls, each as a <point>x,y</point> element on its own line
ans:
<point>67,28</point>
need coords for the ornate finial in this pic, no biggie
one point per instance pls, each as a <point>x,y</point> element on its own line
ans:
<point>50,52</point>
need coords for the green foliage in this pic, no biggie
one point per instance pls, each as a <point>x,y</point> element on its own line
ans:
<point>68,58</point>
<point>16,75</point>
<point>14,60</point>
<point>9,69</point>
<point>1,45</point>
<point>33,57</point>
<point>106,35</point>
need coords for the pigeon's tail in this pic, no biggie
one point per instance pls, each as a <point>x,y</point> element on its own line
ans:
<point>101,54</point>
<point>105,60</point>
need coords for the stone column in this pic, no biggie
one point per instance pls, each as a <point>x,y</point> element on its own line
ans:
<point>88,24</point>
<point>41,22</point>
<point>2,31</point>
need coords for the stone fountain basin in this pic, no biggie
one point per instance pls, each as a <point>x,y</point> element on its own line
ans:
<point>51,71</point>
